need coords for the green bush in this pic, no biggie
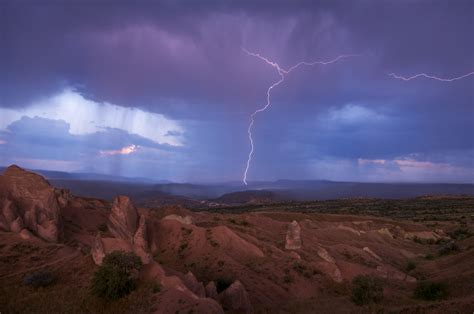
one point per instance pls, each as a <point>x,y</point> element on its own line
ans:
<point>39,279</point>
<point>447,248</point>
<point>429,257</point>
<point>460,234</point>
<point>430,291</point>
<point>366,289</point>
<point>126,261</point>
<point>113,279</point>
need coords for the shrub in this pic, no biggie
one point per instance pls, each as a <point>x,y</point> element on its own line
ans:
<point>244,223</point>
<point>126,261</point>
<point>430,291</point>
<point>39,279</point>
<point>366,290</point>
<point>103,227</point>
<point>447,248</point>
<point>156,287</point>
<point>409,266</point>
<point>460,234</point>
<point>113,279</point>
<point>429,257</point>
<point>287,278</point>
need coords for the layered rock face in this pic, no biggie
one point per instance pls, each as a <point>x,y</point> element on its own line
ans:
<point>123,219</point>
<point>98,250</point>
<point>129,229</point>
<point>28,201</point>
<point>186,220</point>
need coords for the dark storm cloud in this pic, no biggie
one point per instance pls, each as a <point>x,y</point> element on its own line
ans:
<point>184,59</point>
<point>150,54</point>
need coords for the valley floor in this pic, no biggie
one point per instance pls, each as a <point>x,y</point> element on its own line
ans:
<point>251,247</point>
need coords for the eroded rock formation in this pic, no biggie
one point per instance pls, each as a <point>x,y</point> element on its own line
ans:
<point>293,236</point>
<point>28,201</point>
<point>194,285</point>
<point>123,219</point>
<point>236,298</point>
<point>211,290</point>
<point>129,229</point>
<point>98,250</point>
<point>187,220</point>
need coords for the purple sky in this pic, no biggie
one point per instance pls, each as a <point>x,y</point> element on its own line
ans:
<point>162,89</point>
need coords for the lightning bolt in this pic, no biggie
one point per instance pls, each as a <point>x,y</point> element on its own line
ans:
<point>429,77</point>
<point>281,72</point>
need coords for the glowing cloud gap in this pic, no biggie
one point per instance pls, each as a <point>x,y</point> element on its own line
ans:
<point>127,150</point>
<point>429,77</point>
<point>282,72</point>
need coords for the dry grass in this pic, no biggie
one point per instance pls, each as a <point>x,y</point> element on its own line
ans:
<point>70,294</point>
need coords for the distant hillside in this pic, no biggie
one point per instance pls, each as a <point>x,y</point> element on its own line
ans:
<point>148,191</point>
<point>60,175</point>
<point>249,197</point>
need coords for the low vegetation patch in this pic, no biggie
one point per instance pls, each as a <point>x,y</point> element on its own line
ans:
<point>429,257</point>
<point>156,287</point>
<point>115,277</point>
<point>408,268</point>
<point>447,248</point>
<point>210,239</point>
<point>103,227</point>
<point>460,234</point>
<point>40,279</point>
<point>304,270</point>
<point>430,291</point>
<point>366,290</point>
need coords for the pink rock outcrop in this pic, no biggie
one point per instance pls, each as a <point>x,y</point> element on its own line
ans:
<point>293,236</point>
<point>211,290</point>
<point>140,241</point>
<point>129,230</point>
<point>28,201</point>
<point>194,285</point>
<point>236,298</point>
<point>123,219</point>
<point>98,250</point>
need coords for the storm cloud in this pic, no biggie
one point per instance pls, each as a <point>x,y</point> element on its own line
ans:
<point>180,68</point>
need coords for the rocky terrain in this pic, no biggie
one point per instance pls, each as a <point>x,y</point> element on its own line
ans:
<point>277,258</point>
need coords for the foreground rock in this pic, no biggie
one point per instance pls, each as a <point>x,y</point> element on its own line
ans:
<point>129,229</point>
<point>123,219</point>
<point>372,253</point>
<point>211,290</point>
<point>140,241</point>
<point>293,236</point>
<point>176,296</point>
<point>236,298</point>
<point>28,201</point>
<point>194,285</point>
<point>98,250</point>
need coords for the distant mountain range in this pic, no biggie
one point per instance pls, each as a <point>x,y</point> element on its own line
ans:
<point>144,190</point>
<point>60,175</point>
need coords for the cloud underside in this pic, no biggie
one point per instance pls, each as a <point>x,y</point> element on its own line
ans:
<point>164,89</point>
